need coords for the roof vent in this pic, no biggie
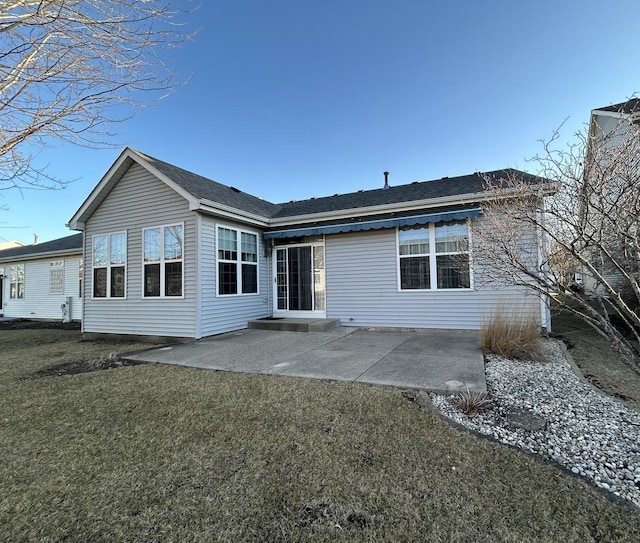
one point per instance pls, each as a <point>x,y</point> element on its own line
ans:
<point>386,180</point>
<point>235,189</point>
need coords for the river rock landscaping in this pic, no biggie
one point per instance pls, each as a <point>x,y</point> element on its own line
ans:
<point>546,409</point>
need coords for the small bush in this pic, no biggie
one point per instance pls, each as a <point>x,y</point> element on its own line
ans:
<point>510,334</point>
<point>471,403</point>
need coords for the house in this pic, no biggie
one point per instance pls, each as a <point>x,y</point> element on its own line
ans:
<point>612,167</point>
<point>170,253</point>
<point>42,281</point>
<point>10,244</point>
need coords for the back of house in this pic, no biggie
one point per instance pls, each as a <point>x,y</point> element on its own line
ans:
<point>170,253</point>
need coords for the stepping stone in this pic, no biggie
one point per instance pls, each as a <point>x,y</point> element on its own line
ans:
<point>519,417</point>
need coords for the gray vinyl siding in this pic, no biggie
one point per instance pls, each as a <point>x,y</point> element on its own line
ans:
<point>221,314</point>
<point>38,302</point>
<point>139,201</point>
<point>362,289</point>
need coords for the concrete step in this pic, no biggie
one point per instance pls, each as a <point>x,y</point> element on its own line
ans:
<point>294,325</point>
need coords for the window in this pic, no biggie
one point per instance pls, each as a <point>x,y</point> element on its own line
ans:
<point>163,255</point>
<point>80,274</point>
<point>16,282</point>
<point>56,277</point>
<point>434,256</point>
<point>109,264</point>
<point>237,262</point>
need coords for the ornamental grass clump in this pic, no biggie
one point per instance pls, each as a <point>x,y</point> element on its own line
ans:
<point>471,403</point>
<point>513,335</point>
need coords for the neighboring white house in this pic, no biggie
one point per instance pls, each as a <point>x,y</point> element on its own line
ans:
<point>170,253</point>
<point>42,281</point>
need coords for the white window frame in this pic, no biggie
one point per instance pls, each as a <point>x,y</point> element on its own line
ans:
<point>80,277</point>
<point>238,261</point>
<point>56,267</point>
<point>163,261</point>
<point>16,294</point>
<point>433,266</point>
<point>109,266</point>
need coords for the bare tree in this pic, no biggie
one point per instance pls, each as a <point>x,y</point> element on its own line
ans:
<point>586,222</point>
<point>69,69</point>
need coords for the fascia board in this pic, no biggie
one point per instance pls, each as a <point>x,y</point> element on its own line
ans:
<point>214,208</point>
<point>403,206</point>
<point>600,113</point>
<point>78,216</point>
<point>110,178</point>
<point>380,209</point>
<point>42,256</point>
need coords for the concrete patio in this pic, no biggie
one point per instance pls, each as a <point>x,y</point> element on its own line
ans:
<point>445,361</point>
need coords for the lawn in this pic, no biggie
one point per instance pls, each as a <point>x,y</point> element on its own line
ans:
<point>170,454</point>
<point>596,360</point>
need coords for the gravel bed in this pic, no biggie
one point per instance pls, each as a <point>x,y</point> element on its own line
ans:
<point>573,424</point>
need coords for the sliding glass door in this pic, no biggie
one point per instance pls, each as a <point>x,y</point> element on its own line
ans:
<point>299,280</point>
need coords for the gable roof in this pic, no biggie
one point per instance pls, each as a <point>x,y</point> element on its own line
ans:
<point>446,187</point>
<point>56,247</point>
<point>206,189</point>
<point>210,196</point>
<point>630,106</point>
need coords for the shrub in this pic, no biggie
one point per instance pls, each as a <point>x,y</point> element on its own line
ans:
<point>511,334</point>
<point>471,403</point>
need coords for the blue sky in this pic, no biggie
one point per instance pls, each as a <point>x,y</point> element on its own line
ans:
<point>293,99</point>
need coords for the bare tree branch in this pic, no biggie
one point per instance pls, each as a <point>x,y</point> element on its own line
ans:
<point>589,227</point>
<point>70,69</point>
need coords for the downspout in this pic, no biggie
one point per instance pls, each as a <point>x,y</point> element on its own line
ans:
<point>545,308</point>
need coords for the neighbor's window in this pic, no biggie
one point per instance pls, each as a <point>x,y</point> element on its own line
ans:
<point>237,262</point>
<point>56,277</point>
<point>16,282</point>
<point>80,274</point>
<point>434,256</point>
<point>109,265</point>
<point>163,257</point>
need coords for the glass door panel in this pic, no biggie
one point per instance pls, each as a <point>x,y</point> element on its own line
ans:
<point>299,278</point>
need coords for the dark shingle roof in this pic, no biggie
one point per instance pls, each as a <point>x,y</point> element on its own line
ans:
<point>630,106</point>
<point>66,244</point>
<point>424,190</point>
<point>201,187</point>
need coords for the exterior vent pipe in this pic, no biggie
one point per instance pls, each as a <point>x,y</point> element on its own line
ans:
<point>386,180</point>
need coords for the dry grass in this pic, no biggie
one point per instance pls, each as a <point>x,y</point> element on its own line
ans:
<point>507,333</point>
<point>596,359</point>
<point>162,453</point>
<point>472,402</point>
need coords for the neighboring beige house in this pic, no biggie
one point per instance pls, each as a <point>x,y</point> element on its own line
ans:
<point>170,253</point>
<point>10,244</point>
<point>42,281</point>
<point>613,130</point>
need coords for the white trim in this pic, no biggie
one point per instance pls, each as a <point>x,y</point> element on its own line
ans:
<point>42,256</point>
<point>113,175</point>
<point>17,283</point>
<point>162,262</point>
<point>433,265</point>
<point>108,266</point>
<point>239,230</point>
<point>198,266</point>
<point>228,212</point>
<point>274,290</point>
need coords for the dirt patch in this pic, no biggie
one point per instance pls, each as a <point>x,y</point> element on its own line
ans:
<point>322,514</point>
<point>84,366</point>
<point>25,324</point>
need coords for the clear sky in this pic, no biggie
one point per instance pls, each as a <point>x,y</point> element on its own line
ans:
<point>292,99</point>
